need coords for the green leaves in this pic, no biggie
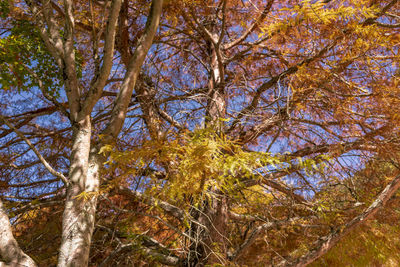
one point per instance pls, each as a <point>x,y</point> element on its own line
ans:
<point>24,61</point>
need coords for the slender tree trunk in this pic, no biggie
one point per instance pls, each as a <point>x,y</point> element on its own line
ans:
<point>216,106</point>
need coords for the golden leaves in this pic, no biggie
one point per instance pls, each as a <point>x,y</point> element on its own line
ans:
<point>195,161</point>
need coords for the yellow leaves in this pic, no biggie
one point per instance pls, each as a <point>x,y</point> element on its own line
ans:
<point>256,197</point>
<point>105,149</point>
<point>257,194</point>
<point>31,214</point>
<point>194,161</point>
<point>311,165</point>
<point>373,242</point>
<point>85,195</point>
<point>317,13</point>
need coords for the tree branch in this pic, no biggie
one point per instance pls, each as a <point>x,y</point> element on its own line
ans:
<point>259,230</point>
<point>169,208</point>
<point>98,85</point>
<point>251,28</point>
<point>41,158</point>
<point>69,67</point>
<point>324,244</point>
<point>124,95</point>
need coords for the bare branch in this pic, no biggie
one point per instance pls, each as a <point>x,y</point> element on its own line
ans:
<point>169,208</point>
<point>324,244</point>
<point>259,230</point>
<point>272,81</point>
<point>385,25</point>
<point>170,260</point>
<point>46,94</point>
<point>97,88</point>
<point>41,158</point>
<point>252,27</point>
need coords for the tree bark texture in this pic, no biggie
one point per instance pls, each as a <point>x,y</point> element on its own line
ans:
<point>10,252</point>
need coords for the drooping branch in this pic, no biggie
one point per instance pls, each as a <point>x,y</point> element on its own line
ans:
<point>60,106</point>
<point>32,206</point>
<point>149,247</point>
<point>261,229</point>
<point>169,208</point>
<point>169,260</point>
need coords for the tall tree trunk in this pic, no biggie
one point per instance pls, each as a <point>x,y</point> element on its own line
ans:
<point>80,206</point>
<point>208,244</point>
<point>216,106</point>
<point>85,162</point>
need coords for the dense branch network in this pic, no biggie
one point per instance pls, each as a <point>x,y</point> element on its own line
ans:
<point>196,132</point>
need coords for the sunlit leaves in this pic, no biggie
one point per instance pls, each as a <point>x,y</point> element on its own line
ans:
<point>22,54</point>
<point>197,161</point>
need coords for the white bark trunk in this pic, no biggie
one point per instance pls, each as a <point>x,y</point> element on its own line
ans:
<point>80,206</point>
<point>85,162</point>
<point>10,252</point>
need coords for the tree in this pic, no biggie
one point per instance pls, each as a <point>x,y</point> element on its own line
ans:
<point>244,127</point>
<point>85,160</point>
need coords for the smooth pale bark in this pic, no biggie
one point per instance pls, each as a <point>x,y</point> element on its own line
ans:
<point>79,218</point>
<point>144,90</point>
<point>85,162</point>
<point>76,232</point>
<point>216,103</point>
<point>101,77</point>
<point>10,252</point>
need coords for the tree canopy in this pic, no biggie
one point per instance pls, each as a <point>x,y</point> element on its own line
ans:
<point>199,132</point>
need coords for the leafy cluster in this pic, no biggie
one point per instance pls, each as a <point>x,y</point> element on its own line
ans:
<point>197,161</point>
<point>24,61</point>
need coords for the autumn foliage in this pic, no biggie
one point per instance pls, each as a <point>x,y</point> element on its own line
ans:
<point>200,133</point>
